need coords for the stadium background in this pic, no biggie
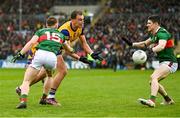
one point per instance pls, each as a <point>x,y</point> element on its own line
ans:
<point>106,22</point>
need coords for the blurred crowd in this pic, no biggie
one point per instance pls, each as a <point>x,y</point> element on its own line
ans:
<point>144,6</point>
<point>76,2</point>
<point>107,33</point>
<point>126,18</point>
<point>123,18</point>
<point>28,6</point>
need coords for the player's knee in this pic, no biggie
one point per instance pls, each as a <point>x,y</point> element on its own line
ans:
<point>63,70</point>
<point>153,77</point>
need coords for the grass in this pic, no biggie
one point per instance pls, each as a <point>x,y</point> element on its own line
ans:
<point>93,93</point>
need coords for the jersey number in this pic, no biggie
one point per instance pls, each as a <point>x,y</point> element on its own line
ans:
<point>54,37</point>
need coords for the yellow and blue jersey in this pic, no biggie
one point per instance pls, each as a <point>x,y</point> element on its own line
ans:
<point>71,35</point>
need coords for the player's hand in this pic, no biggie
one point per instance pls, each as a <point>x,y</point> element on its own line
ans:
<point>85,60</point>
<point>17,56</point>
<point>127,41</point>
<point>150,50</point>
<point>95,55</point>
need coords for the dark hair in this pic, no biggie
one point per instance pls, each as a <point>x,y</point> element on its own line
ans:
<point>155,18</point>
<point>51,21</point>
<point>75,13</point>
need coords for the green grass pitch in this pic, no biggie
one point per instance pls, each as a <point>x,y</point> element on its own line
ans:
<point>93,93</point>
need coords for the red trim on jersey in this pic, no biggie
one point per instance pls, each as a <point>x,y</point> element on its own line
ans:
<point>44,37</point>
<point>170,43</point>
<point>61,41</point>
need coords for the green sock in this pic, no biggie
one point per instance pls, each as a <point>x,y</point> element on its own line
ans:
<point>23,98</point>
<point>153,98</point>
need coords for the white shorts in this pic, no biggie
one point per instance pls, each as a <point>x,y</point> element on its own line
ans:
<point>171,65</point>
<point>43,58</point>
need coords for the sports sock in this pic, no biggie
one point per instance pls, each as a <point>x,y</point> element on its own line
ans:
<point>23,98</point>
<point>52,93</point>
<point>167,98</point>
<point>153,98</point>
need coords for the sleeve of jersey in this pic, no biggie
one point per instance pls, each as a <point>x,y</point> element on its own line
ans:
<point>38,33</point>
<point>163,36</point>
<point>66,34</point>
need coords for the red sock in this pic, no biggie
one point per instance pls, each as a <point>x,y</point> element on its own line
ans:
<point>23,98</point>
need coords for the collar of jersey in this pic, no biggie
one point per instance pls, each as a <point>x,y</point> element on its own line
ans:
<point>72,27</point>
<point>158,29</point>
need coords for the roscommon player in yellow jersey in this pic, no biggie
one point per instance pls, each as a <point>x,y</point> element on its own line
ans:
<point>73,31</point>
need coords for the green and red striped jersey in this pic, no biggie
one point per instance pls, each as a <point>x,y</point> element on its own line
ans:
<point>50,40</point>
<point>168,53</point>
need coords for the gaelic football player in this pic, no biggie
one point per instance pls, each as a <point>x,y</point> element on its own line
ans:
<point>165,53</point>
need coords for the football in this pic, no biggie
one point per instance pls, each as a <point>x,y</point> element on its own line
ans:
<point>139,57</point>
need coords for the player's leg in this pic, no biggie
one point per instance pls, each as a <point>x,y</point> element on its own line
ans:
<point>41,75</point>
<point>163,93</point>
<point>161,72</point>
<point>164,70</point>
<point>46,87</point>
<point>167,99</point>
<point>30,74</point>
<point>62,71</point>
<point>155,77</point>
<point>161,90</point>
<point>172,68</point>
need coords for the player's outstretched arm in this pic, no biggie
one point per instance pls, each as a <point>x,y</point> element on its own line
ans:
<point>67,47</point>
<point>96,55</point>
<point>70,51</point>
<point>28,45</point>
<point>87,49</point>
<point>161,45</point>
<point>85,45</point>
<point>127,41</point>
<point>142,44</point>
<point>17,56</point>
<point>82,58</point>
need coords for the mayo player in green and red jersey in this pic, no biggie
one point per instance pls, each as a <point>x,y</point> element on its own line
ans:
<point>165,53</point>
<point>50,41</point>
